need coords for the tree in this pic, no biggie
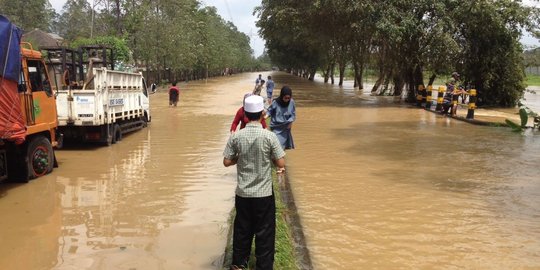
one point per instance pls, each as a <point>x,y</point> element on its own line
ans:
<point>119,46</point>
<point>405,38</point>
<point>491,51</point>
<point>75,20</point>
<point>176,37</point>
<point>29,14</point>
<point>289,40</point>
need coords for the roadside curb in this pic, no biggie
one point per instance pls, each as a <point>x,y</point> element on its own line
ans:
<point>470,121</point>
<point>293,219</point>
<point>290,215</point>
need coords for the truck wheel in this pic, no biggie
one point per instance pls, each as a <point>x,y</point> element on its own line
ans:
<point>117,133</point>
<point>40,157</point>
<point>145,120</point>
<point>109,137</point>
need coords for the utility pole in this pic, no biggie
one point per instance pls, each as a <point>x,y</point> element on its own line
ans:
<point>92,18</point>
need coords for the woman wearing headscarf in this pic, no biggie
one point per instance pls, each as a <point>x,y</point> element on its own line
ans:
<point>283,113</point>
<point>241,117</point>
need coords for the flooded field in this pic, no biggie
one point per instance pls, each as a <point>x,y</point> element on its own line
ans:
<point>377,186</point>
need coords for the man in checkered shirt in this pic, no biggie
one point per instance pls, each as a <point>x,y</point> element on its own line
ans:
<point>253,150</point>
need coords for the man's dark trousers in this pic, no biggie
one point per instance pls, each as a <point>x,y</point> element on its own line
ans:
<point>255,217</point>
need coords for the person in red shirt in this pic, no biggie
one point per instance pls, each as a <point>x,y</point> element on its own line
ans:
<point>241,117</point>
<point>174,95</point>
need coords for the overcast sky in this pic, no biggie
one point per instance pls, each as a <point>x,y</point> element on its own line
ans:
<point>240,12</point>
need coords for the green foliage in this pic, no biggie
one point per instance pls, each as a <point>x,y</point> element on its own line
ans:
<point>491,49</point>
<point>119,46</point>
<point>403,39</point>
<point>524,116</point>
<point>28,14</point>
<point>515,127</point>
<point>532,80</point>
<point>284,257</point>
<point>289,42</point>
<point>75,20</point>
<point>263,62</point>
<point>175,35</point>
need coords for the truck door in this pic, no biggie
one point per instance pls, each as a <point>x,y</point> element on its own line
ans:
<point>26,98</point>
<point>145,100</point>
<point>44,104</point>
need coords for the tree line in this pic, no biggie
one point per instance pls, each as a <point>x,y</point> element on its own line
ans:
<point>177,39</point>
<point>408,42</point>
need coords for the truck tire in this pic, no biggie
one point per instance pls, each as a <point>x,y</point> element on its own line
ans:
<point>109,131</point>
<point>144,120</point>
<point>117,133</point>
<point>16,164</point>
<point>40,157</point>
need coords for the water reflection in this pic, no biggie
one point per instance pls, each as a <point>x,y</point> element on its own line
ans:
<point>378,186</point>
<point>30,225</point>
<point>391,187</point>
<point>153,201</point>
<point>159,199</point>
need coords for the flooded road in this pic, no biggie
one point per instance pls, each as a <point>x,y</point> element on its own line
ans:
<point>377,186</point>
<point>384,187</point>
<point>159,199</point>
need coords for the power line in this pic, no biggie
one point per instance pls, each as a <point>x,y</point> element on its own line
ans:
<point>228,10</point>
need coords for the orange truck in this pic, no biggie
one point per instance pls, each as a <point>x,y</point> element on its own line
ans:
<point>28,118</point>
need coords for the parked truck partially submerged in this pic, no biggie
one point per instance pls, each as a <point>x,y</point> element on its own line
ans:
<point>28,119</point>
<point>96,103</point>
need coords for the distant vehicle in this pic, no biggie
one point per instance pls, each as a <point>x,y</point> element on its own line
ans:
<point>28,117</point>
<point>96,103</point>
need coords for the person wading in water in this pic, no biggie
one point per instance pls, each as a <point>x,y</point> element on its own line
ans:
<point>241,117</point>
<point>174,95</point>
<point>283,114</point>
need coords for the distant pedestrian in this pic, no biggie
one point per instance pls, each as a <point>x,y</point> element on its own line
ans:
<point>253,150</point>
<point>447,100</point>
<point>453,91</point>
<point>282,113</point>
<point>258,80</point>
<point>258,88</point>
<point>269,89</point>
<point>174,95</point>
<point>242,118</point>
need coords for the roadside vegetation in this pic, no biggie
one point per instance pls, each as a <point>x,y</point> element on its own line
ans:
<point>407,43</point>
<point>533,80</point>
<point>284,257</point>
<point>171,39</point>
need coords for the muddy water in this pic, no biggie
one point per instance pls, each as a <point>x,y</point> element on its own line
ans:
<point>386,187</point>
<point>377,187</point>
<point>159,199</point>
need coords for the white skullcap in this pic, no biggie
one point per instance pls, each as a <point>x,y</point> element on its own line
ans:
<point>254,104</point>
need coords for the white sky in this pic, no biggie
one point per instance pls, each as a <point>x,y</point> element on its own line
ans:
<point>240,12</point>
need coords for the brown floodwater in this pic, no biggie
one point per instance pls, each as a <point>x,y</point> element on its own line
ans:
<point>377,186</point>
<point>380,186</point>
<point>159,199</point>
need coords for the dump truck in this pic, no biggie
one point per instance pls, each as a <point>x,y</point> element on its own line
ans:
<point>28,118</point>
<point>96,103</point>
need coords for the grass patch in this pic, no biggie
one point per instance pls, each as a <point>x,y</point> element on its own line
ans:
<point>284,257</point>
<point>532,80</point>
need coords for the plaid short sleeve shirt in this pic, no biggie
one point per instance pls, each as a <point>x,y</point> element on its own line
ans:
<point>255,148</point>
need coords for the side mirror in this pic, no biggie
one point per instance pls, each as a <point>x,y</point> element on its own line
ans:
<point>22,88</point>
